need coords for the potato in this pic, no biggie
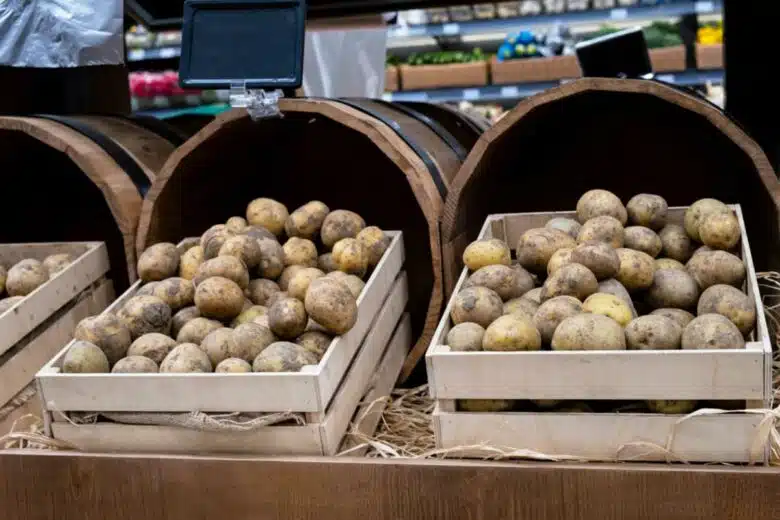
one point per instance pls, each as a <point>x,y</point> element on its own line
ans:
<point>506,281</point>
<point>731,303</point>
<point>259,233</point>
<point>272,260</point>
<point>354,284</point>
<point>283,356</point>
<point>481,253</point>
<point>672,288</point>
<point>219,298</point>
<point>588,332</point>
<point>83,357</point>
<point>596,203</point>
<point>642,239</point>
<point>551,313</point>
<point>300,282</point>
<point>350,256</point>
<point>243,247</point>
<point>599,257</point>
<point>716,267</point>
<point>568,225</point>
<point>300,251</point>
<point>185,358</point>
<point>712,331</point>
<point>653,332</point>
<point>182,317</point>
<point>315,341</point>
<point>190,261</point>
<point>216,345</point>
<point>608,305</point>
<point>147,289</point>
<point>236,224</point>
<point>25,276</point>
<point>511,332</point>
<point>228,267</point>
<point>668,263</point>
<point>671,407</point>
<point>560,258</point>
<point>484,405</point>
<point>233,366</point>
<point>675,243</point>
<point>186,244</point>
<point>306,221</point>
<point>524,306</point>
<point>287,275</point>
<point>158,262</point>
<point>647,210</point>
<point>267,213</point>
<point>135,365</point>
<point>679,316</point>
<point>248,315</point>
<point>106,331</point>
<point>213,239</point>
<point>55,263</point>
<point>153,345</point>
<point>536,247</point>
<point>287,318</point>
<point>616,288</point>
<point>535,295</point>
<point>636,269</point>
<point>602,229</point>
<point>465,337</point>
<point>326,263</point>
<point>196,329</point>
<point>248,340</point>
<point>340,224</point>
<point>696,213</point>
<point>720,230</point>
<point>263,321</point>
<point>7,303</point>
<point>332,305</point>
<point>570,280</point>
<point>3,277</point>
<point>175,292</point>
<point>375,242</point>
<point>144,314</point>
<point>478,305</point>
<point>275,297</point>
<point>260,289</point>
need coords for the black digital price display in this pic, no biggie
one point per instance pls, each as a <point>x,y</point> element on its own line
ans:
<point>621,54</point>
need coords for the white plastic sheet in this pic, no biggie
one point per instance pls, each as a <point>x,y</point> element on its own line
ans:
<point>61,33</point>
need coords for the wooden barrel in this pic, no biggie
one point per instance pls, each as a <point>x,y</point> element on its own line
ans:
<point>79,178</point>
<point>626,136</point>
<point>361,155</point>
<point>466,128</point>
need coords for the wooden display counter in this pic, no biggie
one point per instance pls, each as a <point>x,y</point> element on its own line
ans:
<point>45,485</point>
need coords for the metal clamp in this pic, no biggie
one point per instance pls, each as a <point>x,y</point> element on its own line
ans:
<point>258,103</point>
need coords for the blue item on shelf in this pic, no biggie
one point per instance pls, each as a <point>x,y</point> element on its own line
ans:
<point>505,52</point>
<point>526,37</point>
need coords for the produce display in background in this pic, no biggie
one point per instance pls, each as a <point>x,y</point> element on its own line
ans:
<point>618,277</point>
<point>710,33</point>
<point>22,278</point>
<point>709,46</point>
<point>657,34</point>
<point>445,57</point>
<point>526,44</point>
<point>138,37</point>
<point>265,293</point>
<point>162,90</point>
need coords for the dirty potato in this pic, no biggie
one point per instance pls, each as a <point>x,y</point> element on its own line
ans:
<point>647,210</point>
<point>615,288</point>
<point>653,332</point>
<point>675,243</point>
<point>190,261</point>
<point>260,289</point>
<point>315,341</point>
<point>287,275</point>
<point>375,241</point>
<point>596,203</point>
<point>536,247</point>
<point>524,306</point>
<point>228,267</point>
<point>712,331</point>
<point>570,280</point>
<point>213,238</point>
<point>599,257</point>
<point>144,314</point>
<point>506,281</point>
<point>602,229</point>
<point>350,256</point>
<point>287,318</point>
<point>560,258</point>
<point>233,366</point>
<point>673,288</point>
<point>184,358</point>
<point>332,305</point>
<point>272,260</point>
<point>535,295</point>
<point>183,316</point>
<point>216,345</point>
<point>710,268</point>
<point>25,276</point>
<point>267,213</point>
<point>698,211</point>
<point>326,263</point>
<point>283,356</point>
<point>175,292</point>
<point>730,302</point>
<point>636,269</point>
<point>642,239</point>
<point>551,313</point>
<point>106,331</point>
<point>55,263</point>
<point>588,332</point>
<point>194,330</point>
<point>300,282</point>
<point>243,247</point>
<point>248,340</point>
<point>249,314</point>
<point>153,345</point>
<point>306,221</point>
<point>668,263</point>
<point>236,224</point>
<point>83,357</point>
<point>219,298</point>
<point>679,316</point>
<point>147,289</point>
<point>300,251</point>
<point>340,224</point>
<point>158,262</point>
<point>511,332</point>
<point>608,305</point>
<point>481,253</point>
<point>568,225</point>
<point>477,305</point>
<point>720,230</point>
<point>465,337</point>
<point>135,365</point>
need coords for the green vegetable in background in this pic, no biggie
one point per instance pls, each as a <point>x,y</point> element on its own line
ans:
<point>445,57</point>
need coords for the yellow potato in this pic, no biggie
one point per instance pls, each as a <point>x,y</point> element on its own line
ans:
<point>720,230</point>
<point>135,365</point>
<point>25,276</point>
<point>477,305</point>
<point>697,212</point>
<point>219,298</point>
<point>608,305</point>
<point>216,345</point>
<point>595,203</point>
<point>642,239</point>
<point>551,313</point>
<point>154,345</point>
<point>332,305</point>
<point>534,295</point>
<point>300,251</point>
<point>465,337</point>
<point>537,246</point>
<point>731,303</point>
<point>182,317</point>
<point>176,292</point>
<point>481,253</point>
<point>306,221</point>
<point>158,262</point>
<point>668,263</point>
<point>340,224</point>
<point>560,258</point>
<point>375,242</point>
<point>602,229</point>
<point>212,240</point>
<point>233,366</point>
<point>712,331</point>
<point>267,213</point>
<point>315,341</point>
<point>196,329</point>
<point>570,280</point>
<point>524,306</point>
<point>236,224</point>
<point>287,275</point>
<point>228,267</point>
<point>287,318</point>
<point>107,332</point>
<point>647,210</point>
<point>248,315</point>
<point>616,288</point>
<point>507,282</point>
<point>588,332</point>
<point>190,261</point>
<point>511,332</point>
<point>599,257</point>
<point>248,340</point>
<point>636,269</point>
<point>186,357</point>
<point>243,247</point>
<point>83,357</point>
<point>300,282</point>
<point>350,256</point>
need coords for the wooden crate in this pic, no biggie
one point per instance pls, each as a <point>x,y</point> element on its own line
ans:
<point>534,69</point>
<point>711,375</point>
<point>668,59</point>
<point>391,79</point>
<point>34,329</point>
<point>709,56</point>
<point>326,394</point>
<point>414,77</point>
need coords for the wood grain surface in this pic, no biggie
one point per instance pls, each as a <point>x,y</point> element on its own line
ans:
<point>43,486</point>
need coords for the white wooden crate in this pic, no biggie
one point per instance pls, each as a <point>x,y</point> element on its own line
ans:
<point>34,329</point>
<point>730,374</point>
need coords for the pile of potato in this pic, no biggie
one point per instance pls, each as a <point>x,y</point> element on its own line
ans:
<point>619,277</point>
<point>27,275</point>
<point>253,294</point>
